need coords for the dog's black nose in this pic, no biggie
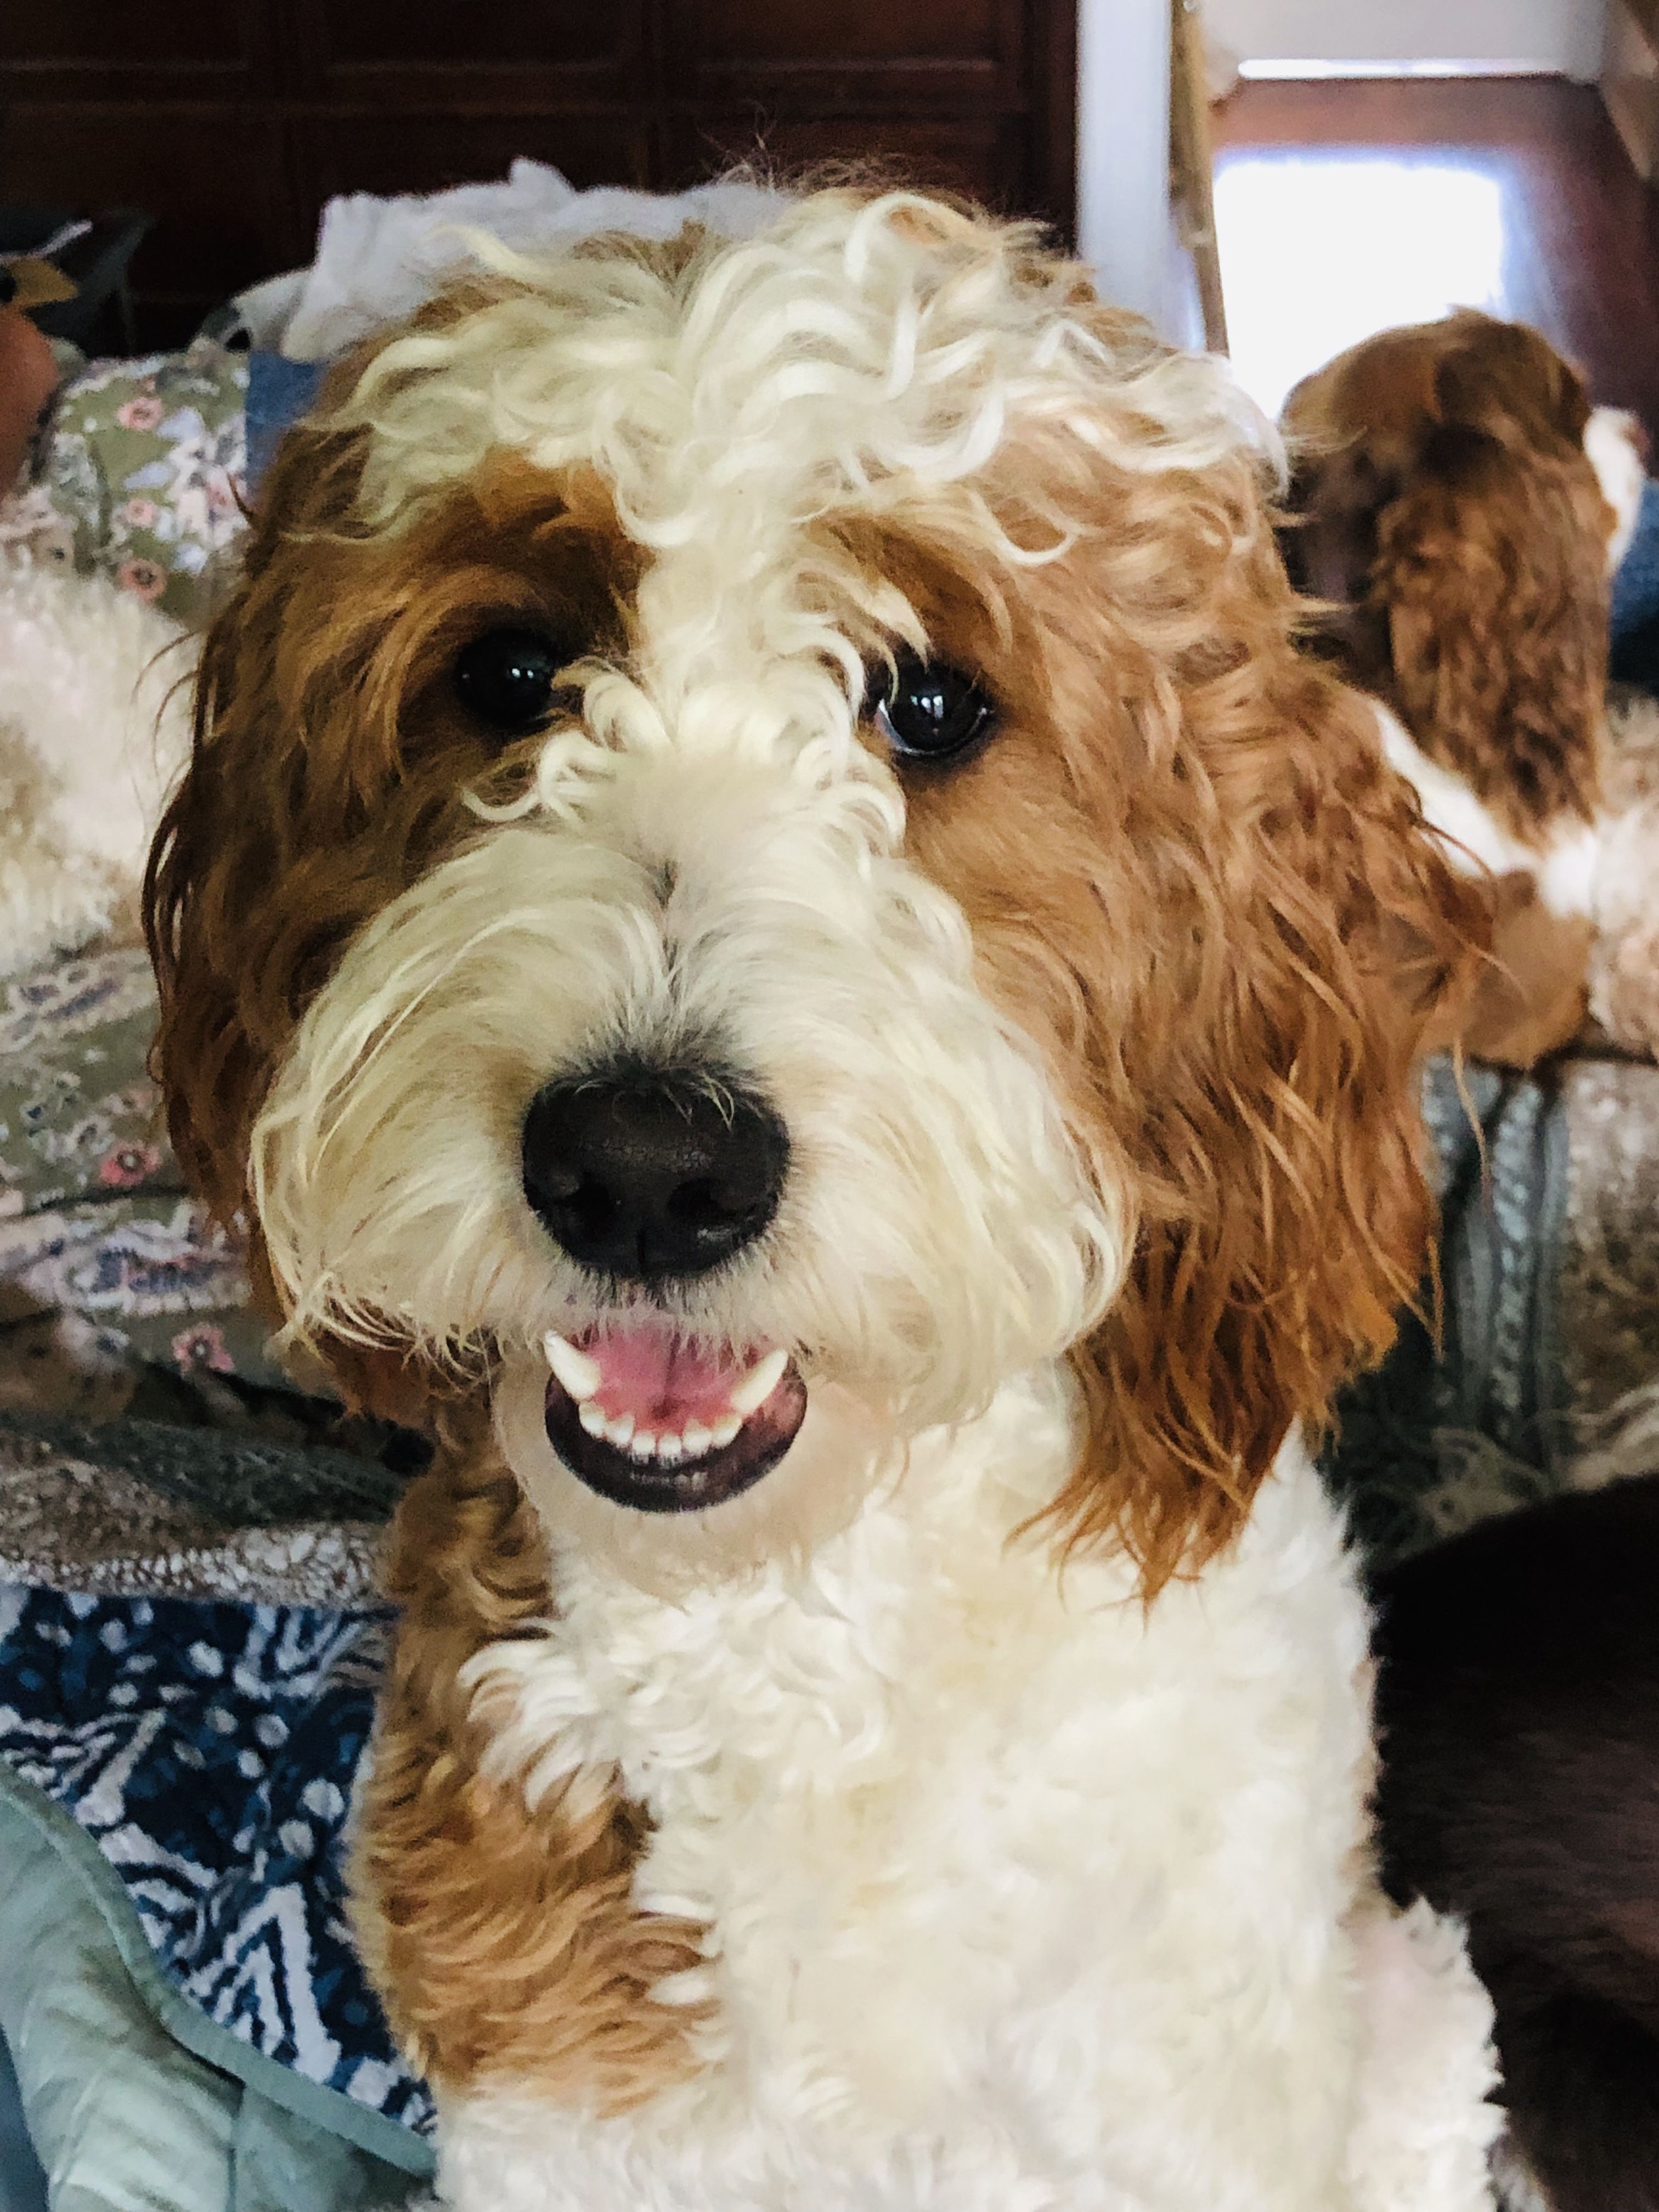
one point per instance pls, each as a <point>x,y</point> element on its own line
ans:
<point>651,1173</point>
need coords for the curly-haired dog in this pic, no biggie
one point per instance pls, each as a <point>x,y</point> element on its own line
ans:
<point>778,939</point>
<point>1460,507</point>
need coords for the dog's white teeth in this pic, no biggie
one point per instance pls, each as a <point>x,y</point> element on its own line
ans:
<point>758,1384</point>
<point>665,1446</point>
<point>579,1374</point>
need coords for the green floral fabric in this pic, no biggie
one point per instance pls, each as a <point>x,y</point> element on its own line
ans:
<point>98,1241</point>
<point>120,1301</point>
<point>139,472</point>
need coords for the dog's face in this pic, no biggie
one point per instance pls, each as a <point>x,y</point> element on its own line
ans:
<point>1448,502</point>
<point>759,859</point>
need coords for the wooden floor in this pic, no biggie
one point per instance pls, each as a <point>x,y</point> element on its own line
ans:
<point>1343,208</point>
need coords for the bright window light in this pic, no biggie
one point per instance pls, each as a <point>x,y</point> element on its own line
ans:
<point>1324,71</point>
<point>1317,254</point>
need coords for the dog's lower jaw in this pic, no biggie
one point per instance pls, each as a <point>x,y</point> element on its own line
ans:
<point>1015,1893</point>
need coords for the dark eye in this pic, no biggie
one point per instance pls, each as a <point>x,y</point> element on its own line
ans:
<point>508,677</point>
<point>929,711</point>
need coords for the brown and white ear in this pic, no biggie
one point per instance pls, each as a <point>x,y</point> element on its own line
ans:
<point>1285,1220</point>
<point>270,855</point>
<point>1490,570</point>
<point>293,822</point>
<point>234,958</point>
<point>1328,537</point>
<point>266,857</point>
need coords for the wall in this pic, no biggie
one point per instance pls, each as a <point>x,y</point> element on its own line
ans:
<point>1123,226</point>
<point>1562,37</point>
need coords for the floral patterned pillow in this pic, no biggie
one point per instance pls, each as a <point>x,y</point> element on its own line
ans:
<point>141,472</point>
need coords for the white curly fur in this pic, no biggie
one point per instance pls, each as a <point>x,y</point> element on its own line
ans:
<point>1022,1896</point>
<point>825,361</point>
<point>93,727</point>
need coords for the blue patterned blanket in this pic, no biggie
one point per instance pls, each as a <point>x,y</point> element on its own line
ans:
<point>210,1751</point>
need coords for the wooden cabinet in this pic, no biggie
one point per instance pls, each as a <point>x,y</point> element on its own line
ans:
<point>233,121</point>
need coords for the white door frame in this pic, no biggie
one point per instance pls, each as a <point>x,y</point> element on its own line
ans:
<point>1124,227</point>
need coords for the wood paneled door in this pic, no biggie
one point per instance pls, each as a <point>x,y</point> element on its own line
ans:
<point>233,121</point>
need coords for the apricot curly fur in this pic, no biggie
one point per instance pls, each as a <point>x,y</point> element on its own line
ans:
<point>1192,879</point>
<point>503,1935</point>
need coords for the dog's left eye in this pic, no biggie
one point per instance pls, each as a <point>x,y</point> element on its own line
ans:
<point>929,711</point>
<point>508,677</point>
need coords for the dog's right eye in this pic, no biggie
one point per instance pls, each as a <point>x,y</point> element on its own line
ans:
<point>928,711</point>
<point>507,679</point>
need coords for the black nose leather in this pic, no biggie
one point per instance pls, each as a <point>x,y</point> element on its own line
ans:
<point>650,1174</point>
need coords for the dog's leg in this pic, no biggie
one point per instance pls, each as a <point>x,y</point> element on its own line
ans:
<point>1423,2133</point>
<point>500,1925</point>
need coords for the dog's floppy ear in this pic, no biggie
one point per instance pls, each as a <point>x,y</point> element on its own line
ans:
<point>1285,1218</point>
<point>1230,952</point>
<point>231,974</point>
<point>1328,539</point>
<point>259,871</point>
<point>265,859</point>
<point>1444,509</point>
<point>1354,429</point>
<point>1490,571</point>
<point>247,897</point>
<point>1508,377</point>
<point>1197,888</point>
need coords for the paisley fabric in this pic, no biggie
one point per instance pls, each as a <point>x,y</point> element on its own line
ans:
<point>98,1244</point>
<point>210,1751</point>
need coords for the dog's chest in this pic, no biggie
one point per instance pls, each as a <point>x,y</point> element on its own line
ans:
<point>978,1846</point>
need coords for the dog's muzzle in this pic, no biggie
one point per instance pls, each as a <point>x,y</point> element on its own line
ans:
<point>655,1176</point>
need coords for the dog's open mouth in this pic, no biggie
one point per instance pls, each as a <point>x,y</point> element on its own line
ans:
<point>652,1420</point>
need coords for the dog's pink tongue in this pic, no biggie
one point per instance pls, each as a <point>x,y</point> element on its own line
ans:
<point>661,1380</point>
